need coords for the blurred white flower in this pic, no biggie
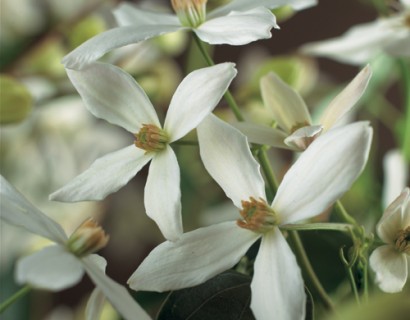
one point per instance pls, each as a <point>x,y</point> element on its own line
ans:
<point>236,23</point>
<point>113,95</point>
<point>318,178</point>
<point>358,45</point>
<point>395,175</point>
<point>391,261</point>
<point>295,130</point>
<point>62,265</point>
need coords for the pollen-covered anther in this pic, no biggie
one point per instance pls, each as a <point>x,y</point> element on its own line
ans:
<point>88,238</point>
<point>402,242</point>
<point>151,138</point>
<point>257,216</point>
<point>191,13</point>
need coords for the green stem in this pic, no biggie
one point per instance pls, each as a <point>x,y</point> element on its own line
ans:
<point>344,215</point>
<point>267,169</point>
<point>19,294</point>
<point>343,227</point>
<point>307,267</point>
<point>348,267</point>
<point>228,96</point>
<point>185,143</point>
<point>405,71</point>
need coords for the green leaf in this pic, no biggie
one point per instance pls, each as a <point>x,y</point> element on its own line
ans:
<point>15,101</point>
<point>226,296</point>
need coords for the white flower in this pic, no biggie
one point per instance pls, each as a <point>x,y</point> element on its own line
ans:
<point>62,265</point>
<point>390,262</point>
<point>295,130</point>
<point>318,178</point>
<point>364,41</point>
<point>237,23</point>
<point>113,95</point>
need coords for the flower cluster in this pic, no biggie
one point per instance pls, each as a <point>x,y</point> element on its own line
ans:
<point>330,154</point>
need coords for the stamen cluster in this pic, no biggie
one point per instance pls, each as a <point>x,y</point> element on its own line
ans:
<point>257,216</point>
<point>151,138</point>
<point>191,13</point>
<point>402,242</point>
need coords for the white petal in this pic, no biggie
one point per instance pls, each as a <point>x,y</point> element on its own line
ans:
<point>196,97</point>
<point>105,176</point>
<point>114,292</point>
<point>226,156</point>
<point>261,134</point>
<point>243,5</point>
<point>95,305</point>
<point>396,217</point>
<point>196,257</point>
<point>323,173</point>
<point>357,46</point>
<point>127,14</point>
<point>162,196</point>
<point>395,175</point>
<point>288,108</point>
<point>17,210</point>
<point>52,268</point>
<point>277,284</point>
<point>97,46</point>
<point>390,267</point>
<point>238,28</point>
<point>112,94</point>
<point>346,99</point>
<point>303,137</point>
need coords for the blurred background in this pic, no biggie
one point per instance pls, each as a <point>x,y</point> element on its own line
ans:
<point>48,137</point>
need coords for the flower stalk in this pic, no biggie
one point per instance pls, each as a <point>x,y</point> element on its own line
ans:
<point>18,295</point>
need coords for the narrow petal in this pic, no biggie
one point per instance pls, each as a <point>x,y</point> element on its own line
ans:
<point>196,257</point>
<point>196,97</point>
<point>261,134</point>
<point>277,284</point>
<point>127,14</point>
<point>346,99</point>
<point>114,292</point>
<point>228,159</point>
<point>390,267</point>
<point>395,175</point>
<point>105,176</point>
<point>97,46</point>
<point>324,172</point>
<point>112,94</point>
<point>244,5</point>
<point>95,305</point>
<point>288,108</point>
<point>162,196</point>
<point>357,46</point>
<point>238,28</point>
<point>17,210</point>
<point>52,268</point>
<point>394,218</point>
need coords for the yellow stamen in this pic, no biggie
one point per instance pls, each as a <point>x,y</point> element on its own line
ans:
<point>151,138</point>
<point>257,216</point>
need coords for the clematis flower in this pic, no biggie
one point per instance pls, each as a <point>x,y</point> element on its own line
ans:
<point>358,45</point>
<point>391,261</point>
<point>318,178</point>
<point>294,125</point>
<point>62,265</point>
<point>236,23</point>
<point>111,94</point>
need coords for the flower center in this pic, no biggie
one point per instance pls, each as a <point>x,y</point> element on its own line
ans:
<point>88,238</point>
<point>402,242</point>
<point>151,138</point>
<point>191,13</point>
<point>257,216</point>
